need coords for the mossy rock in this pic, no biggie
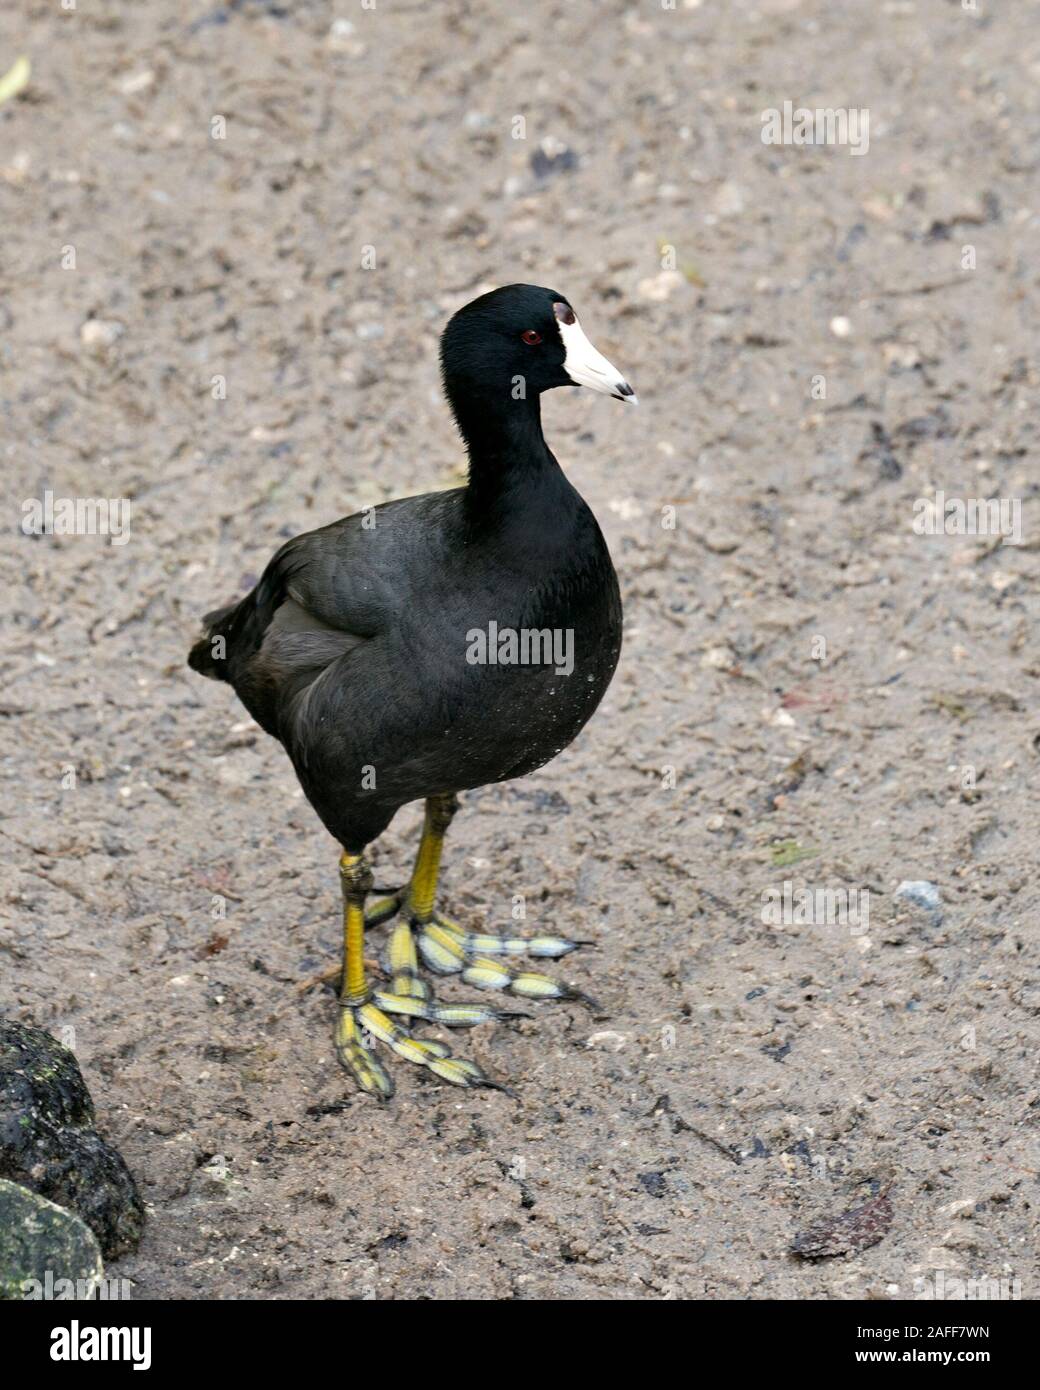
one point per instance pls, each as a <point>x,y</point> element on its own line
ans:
<point>42,1241</point>
<point>48,1142</point>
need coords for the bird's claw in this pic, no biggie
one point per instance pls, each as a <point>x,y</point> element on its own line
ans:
<point>360,1023</point>
<point>446,949</point>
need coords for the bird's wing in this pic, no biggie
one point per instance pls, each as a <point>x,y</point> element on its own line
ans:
<point>322,594</point>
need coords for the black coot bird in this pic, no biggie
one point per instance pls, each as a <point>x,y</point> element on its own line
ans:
<point>431,645</point>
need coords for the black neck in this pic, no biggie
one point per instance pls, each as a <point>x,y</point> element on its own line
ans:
<point>505,444</point>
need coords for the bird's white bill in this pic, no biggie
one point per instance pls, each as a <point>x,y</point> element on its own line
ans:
<point>587,367</point>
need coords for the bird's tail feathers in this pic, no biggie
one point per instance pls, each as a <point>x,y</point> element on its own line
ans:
<point>209,654</point>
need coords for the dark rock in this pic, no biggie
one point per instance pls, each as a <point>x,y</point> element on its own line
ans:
<point>549,160</point>
<point>653,1183</point>
<point>48,1142</point>
<point>41,1241</point>
<point>757,1150</point>
<point>855,235</point>
<point>881,451</point>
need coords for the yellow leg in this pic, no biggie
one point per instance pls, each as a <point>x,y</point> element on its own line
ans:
<point>351,1035</point>
<point>367,1016</point>
<point>362,1020</point>
<point>422,891</point>
<point>356,880</point>
<point>446,948</point>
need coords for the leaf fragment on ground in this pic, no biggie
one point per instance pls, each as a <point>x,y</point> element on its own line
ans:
<point>951,704</point>
<point>854,1230</point>
<point>786,852</point>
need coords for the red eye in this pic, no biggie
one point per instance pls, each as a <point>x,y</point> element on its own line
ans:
<point>531,337</point>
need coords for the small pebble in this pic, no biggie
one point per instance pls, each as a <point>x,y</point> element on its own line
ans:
<point>100,332</point>
<point>658,288</point>
<point>921,893</point>
<point>136,82</point>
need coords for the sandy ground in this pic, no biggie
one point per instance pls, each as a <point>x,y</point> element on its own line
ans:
<point>744,1079</point>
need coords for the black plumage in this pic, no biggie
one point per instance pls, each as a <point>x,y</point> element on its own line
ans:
<point>352,648</point>
<point>371,649</point>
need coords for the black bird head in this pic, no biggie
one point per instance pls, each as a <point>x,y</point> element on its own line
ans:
<point>517,342</point>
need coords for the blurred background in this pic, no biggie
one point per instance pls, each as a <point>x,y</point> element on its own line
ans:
<point>231,236</point>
